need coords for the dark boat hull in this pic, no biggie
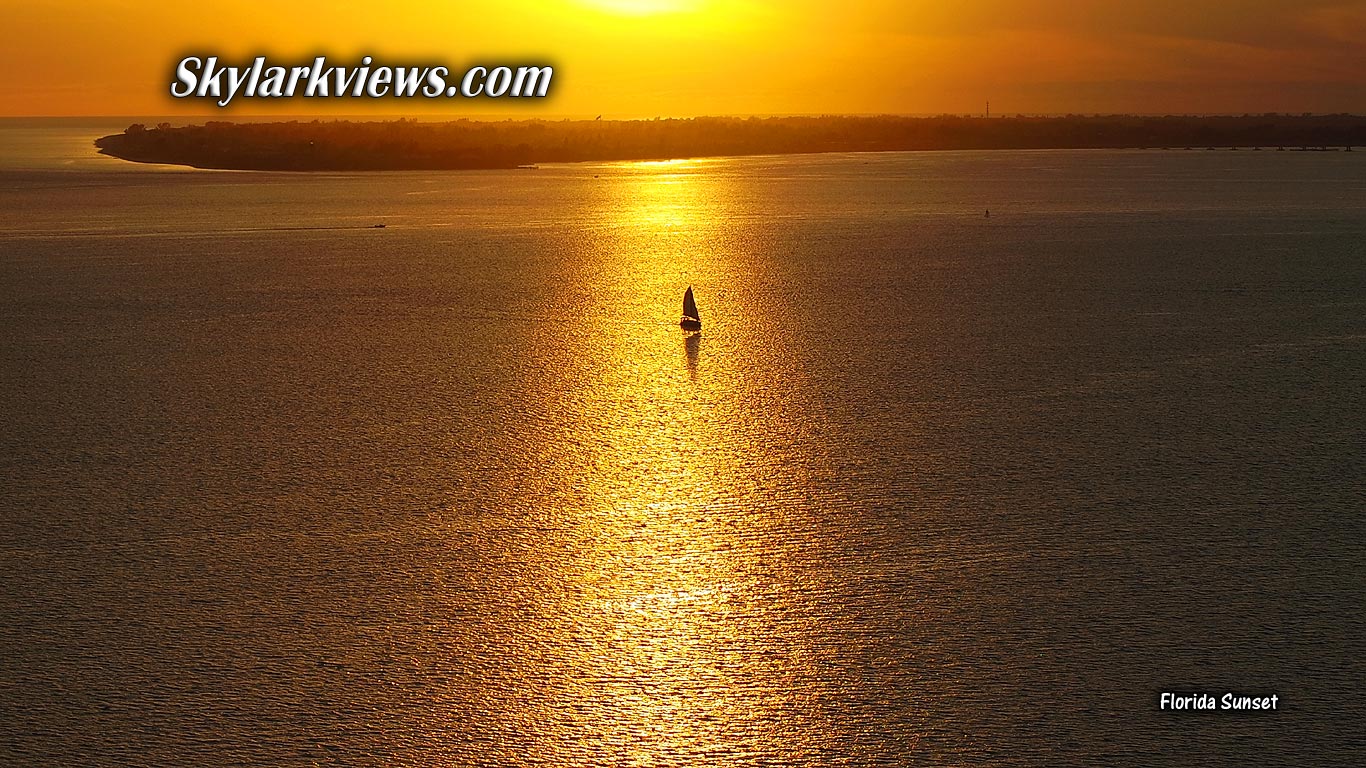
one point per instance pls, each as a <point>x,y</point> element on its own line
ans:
<point>690,324</point>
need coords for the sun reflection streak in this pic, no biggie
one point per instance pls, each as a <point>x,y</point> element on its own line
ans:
<point>663,610</point>
<point>668,594</point>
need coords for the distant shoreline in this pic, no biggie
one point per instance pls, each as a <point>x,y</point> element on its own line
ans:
<point>468,145</point>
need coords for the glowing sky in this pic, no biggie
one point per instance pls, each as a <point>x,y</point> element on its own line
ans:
<point>642,58</point>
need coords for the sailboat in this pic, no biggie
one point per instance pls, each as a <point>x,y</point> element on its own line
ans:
<point>690,321</point>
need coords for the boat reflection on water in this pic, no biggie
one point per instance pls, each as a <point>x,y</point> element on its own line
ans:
<point>692,344</point>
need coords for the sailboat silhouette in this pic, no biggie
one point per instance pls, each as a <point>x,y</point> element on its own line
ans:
<point>691,320</point>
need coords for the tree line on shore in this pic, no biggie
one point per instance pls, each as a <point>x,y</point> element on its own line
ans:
<point>406,144</point>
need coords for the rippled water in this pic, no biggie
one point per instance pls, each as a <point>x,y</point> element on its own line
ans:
<point>929,488</point>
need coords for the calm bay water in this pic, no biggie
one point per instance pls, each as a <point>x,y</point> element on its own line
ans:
<point>283,489</point>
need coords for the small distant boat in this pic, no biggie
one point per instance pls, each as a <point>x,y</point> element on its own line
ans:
<point>691,320</point>
<point>378,226</point>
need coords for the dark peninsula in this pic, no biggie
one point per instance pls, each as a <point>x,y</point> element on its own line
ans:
<point>465,144</point>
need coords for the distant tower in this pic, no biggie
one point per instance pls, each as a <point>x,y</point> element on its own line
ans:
<point>988,107</point>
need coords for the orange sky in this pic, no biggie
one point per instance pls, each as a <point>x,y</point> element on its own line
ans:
<point>642,58</point>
